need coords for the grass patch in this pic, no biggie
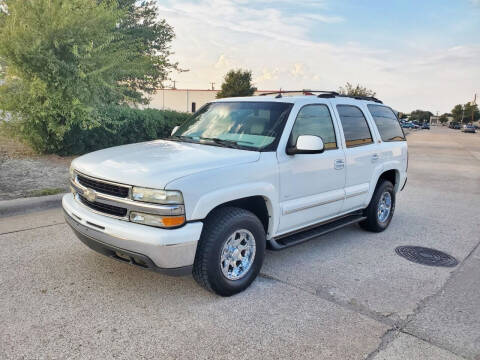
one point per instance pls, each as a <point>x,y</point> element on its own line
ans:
<point>46,191</point>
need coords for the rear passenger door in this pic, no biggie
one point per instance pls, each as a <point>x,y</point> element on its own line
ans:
<point>361,155</point>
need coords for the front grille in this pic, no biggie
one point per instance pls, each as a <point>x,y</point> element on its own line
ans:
<point>102,187</point>
<point>104,208</point>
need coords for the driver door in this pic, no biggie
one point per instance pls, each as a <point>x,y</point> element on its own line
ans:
<point>311,185</point>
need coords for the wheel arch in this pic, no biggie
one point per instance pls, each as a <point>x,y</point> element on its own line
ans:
<point>391,174</point>
<point>256,204</point>
<point>258,199</point>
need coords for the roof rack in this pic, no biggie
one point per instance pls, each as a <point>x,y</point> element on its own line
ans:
<point>368,98</point>
<point>304,91</point>
<point>322,94</point>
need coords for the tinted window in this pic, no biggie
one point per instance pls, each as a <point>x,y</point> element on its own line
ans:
<point>314,120</point>
<point>354,125</point>
<point>387,123</point>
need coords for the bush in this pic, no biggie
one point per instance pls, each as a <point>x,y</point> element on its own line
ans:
<point>63,62</point>
<point>121,125</point>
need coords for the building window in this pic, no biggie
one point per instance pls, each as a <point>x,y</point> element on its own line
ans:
<point>194,107</point>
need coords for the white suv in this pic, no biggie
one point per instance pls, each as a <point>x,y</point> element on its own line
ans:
<point>241,175</point>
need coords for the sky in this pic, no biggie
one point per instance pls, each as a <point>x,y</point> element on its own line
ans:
<point>422,54</point>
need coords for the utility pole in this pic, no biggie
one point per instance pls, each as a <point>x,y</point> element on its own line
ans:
<point>212,83</point>
<point>474,102</point>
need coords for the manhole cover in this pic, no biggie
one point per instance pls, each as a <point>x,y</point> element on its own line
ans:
<point>426,256</point>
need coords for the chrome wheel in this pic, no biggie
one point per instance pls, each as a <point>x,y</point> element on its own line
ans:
<point>238,254</point>
<point>384,207</point>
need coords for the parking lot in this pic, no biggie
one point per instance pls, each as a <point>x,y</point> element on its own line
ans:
<point>346,295</point>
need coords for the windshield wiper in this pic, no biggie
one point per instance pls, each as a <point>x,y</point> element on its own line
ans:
<point>183,138</point>
<point>228,143</point>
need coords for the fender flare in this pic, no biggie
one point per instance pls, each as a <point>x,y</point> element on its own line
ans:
<point>386,167</point>
<point>210,201</point>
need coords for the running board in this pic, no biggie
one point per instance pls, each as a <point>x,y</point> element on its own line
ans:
<point>283,242</point>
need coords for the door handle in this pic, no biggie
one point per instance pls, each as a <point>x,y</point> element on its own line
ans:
<point>339,164</point>
<point>375,157</point>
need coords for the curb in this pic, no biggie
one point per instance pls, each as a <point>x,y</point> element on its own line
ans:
<point>28,205</point>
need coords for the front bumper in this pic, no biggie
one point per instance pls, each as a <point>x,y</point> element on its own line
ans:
<point>163,250</point>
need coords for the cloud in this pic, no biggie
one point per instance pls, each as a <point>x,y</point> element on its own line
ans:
<point>298,70</point>
<point>276,44</point>
<point>222,62</point>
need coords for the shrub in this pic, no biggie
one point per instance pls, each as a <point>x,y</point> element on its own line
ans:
<point>63,62</point>
<point>121,125</point>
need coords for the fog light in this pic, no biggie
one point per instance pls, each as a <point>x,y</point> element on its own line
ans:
<point>156,220</point>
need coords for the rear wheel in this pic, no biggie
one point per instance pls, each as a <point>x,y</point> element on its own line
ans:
<point>379,212</point>
<point>230,251</point>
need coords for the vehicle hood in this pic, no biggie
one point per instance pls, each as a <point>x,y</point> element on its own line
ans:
<point>156,163</point>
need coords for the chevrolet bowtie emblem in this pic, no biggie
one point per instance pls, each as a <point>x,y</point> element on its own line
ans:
<point>90,195</point>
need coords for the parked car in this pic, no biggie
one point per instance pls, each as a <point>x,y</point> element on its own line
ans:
<point>240,175</point>
<point>454,125</point>
<point>468,129</point>
<point>426,126</point>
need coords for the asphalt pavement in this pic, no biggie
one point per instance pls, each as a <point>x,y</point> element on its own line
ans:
<point>346,295</point>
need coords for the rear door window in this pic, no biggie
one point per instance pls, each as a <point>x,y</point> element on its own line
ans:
<point>387,123</point>
<point>355,127</point>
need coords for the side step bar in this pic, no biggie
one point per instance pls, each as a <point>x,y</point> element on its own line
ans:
<point>288,240</point>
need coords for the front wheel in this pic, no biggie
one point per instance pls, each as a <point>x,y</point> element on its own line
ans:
<point>230,251</point>
<point>379,212</point>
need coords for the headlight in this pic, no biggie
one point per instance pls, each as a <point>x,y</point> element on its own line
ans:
<point>157,220</point>
<point>157,196</point>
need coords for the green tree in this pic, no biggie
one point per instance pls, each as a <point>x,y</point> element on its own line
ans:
<point>67,60</point>
<point>457,113</point>
<point>420,115</point>
<point>357,90</point>
<point>465,114</point>
<point>150,38</point>
<point>237,83</point>
<point>444,118</point>
<point>471,113</point>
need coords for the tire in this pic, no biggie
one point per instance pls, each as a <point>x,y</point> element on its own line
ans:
<point>374,221</point>
<point>221,228</point>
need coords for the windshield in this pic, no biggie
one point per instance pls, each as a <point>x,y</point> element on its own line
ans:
<point>246,125</point>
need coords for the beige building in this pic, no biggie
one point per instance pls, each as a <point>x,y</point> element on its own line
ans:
<point>185,100</point>
<point>435,120</point>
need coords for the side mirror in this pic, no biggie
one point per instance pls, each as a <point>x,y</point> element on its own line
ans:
<point>307,144</point>
<point>174,129</point>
